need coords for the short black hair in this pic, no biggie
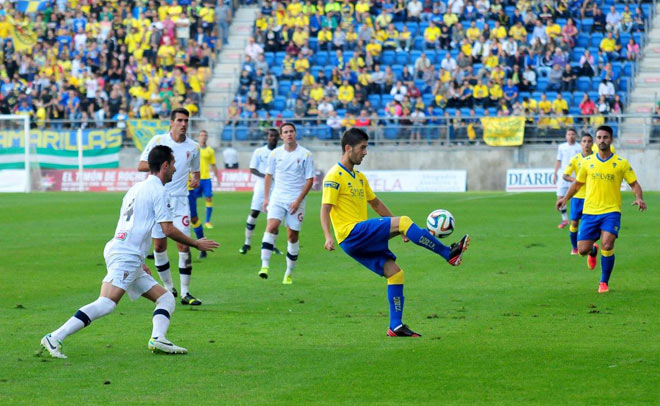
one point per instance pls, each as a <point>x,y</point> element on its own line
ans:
<point>288,123</point>
<point>272,131</point>
<point>607,129</point>
<point>179,110</point>
<point>352,137</point>
<point>586,134</point>
<point>571,129</point>
<point>159,155</point>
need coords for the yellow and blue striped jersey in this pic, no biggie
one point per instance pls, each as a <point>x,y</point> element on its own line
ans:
<point>574,167</point>
<point>602,181</point>
<point>348,192</point>
<point>206,159</point>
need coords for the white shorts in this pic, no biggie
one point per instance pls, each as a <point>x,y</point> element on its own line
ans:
<point>181,214</point>
<point>562,187</point>
<point>125,272</point>
<point>257,197</point>
<point>280,212</point>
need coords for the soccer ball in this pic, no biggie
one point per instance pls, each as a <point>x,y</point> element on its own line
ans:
<point>440,223</point>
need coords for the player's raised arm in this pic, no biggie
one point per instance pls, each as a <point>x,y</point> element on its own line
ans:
<point>639,199</point>
<point>325,225</point>
<point>202,244</point>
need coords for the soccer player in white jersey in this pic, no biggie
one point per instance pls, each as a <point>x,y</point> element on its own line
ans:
<point>258,165</point>
<point>292,167</point>
<point>144,205</point>
<point>565,152</point>
<point>186,152</point>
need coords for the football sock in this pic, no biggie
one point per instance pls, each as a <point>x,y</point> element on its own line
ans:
<point>422,237</point>
<point>162,314</point>
<point>249,229</point>
<point>606,264</point>
<point>198,229</point>
<point>572,233</point>
<point>395,297</point>
<point>185,269</point>
<point>292,250</point>
<point>267,248</point>
<point>564,217</point>
<point>83,317</point>
<point>162,263</point>
<point>209,211</point>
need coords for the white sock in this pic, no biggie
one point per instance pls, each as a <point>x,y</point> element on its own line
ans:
<point>83,317</point>
<point>292,250</point>
<point>185,270</point>
<point>249,229</point>
<point>162,314</point>
<point>267,245</point>
<point>162,262</point>
<point>564,217</point>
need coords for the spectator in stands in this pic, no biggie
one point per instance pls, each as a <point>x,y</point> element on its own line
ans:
<point>587,66</point>
<point>632,50</point>
<point>569,33</point>
<point>587,106</point>
<point>398,91</point>
<point>253,49</point>
<point>510,91</point>
<point>639,20</point>
<point>555,78</point>
<point>606,89</point>
<point>334,122</point>
<point>610,47</point>
<point>568,79</point>
<point>613,21</point>
<point>599,20</point>
<point>414,9</point>
<point>603,106</point>
<point>539,33</point>
<point>617,105</point>
<point>431,35</point>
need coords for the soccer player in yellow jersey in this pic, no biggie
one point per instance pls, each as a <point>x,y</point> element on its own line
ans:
<point>346,193</point>
<point>205,188</point>
<point>602,174</point>
<point>577,202</point>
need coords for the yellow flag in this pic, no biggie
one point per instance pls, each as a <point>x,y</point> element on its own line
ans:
<point>470,132</point>
<point>24,39</point>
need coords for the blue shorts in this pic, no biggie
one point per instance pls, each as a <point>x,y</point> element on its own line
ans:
<point>577,205</point>
<point>592,225</point>
<point>368,244</point>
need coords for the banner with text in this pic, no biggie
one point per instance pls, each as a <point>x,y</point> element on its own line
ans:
<point>94,180</point>
<point>530,180</point>
<point>417,181</point>
<point>59,148</point>
<point>143,130</point>
<point>503,131</point>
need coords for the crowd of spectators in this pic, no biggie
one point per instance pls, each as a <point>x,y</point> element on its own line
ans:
<point>96,63</point>
<point>373,61</point>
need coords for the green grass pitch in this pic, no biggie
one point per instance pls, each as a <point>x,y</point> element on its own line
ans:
<point>519,323</point>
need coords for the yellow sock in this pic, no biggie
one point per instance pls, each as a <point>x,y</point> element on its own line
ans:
<point>396,279</point>
<point>197,223</point>
<point>572,229</point>
<point>606,253</point>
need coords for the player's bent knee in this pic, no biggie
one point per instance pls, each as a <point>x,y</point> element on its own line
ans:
<point>396,279</point>
<point>160,244</point>
<point>166,301</point>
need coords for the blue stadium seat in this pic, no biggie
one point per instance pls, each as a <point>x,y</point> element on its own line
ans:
<point>537,95</point>
<point>568,97</point>
<point>584,83</point>
<point>279,57</point>
<point>639,39</point>
<point>542,84</point>
<point>315,69</point>
<point>385,99</point>
<point>413,28</point>
<point>269,57</point>
<point>628,68</point>
<point>322,132</point>
<point>623,85</point>
<point>348,55</point>
<point>427,98</point>
<point>391,132</point>
<point>465,111</point>
<point>551,95</point>
<point>321,58</point>
<point>617,69</point>
<point>227,133</point>
<point>277,71</point>
<point>522,95</point>
<point>422,27</point>
<point>479,111</point>
<point>314,43</point>
<point>287,114</point>
<point>577,53</point>
<point>274,113</point>
<point>241,133</point>
<point>341,112</point>
<point>595,84</point>
<point>279,103</point>
<point>582,40</point>
<point>283,88</point>
<point>452,111</point>
<point>374,99</point>
<point>574,111</point>
<point>402,58</point>
<point>398,70</point>
<point>388,58</point>
<point>431,55</point>
<point>596,37</point>
<point>587,23</point>
<point>415,54</point>
<point>593,95</point>
<point>492,111</point>
<point>419,43</point>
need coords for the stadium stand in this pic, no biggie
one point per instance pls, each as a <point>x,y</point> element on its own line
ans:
<point>410,63</point>
<point>96,63</point>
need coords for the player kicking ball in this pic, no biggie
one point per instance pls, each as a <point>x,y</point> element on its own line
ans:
<point>577,202</point>
<point>143,206</point>
<point>602,174</point>
<point>346,193</point>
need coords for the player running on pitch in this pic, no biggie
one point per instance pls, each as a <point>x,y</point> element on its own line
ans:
<point>577,201</point>
<point>346,193</point>
<point>143,206</point>
<point>602,174</point>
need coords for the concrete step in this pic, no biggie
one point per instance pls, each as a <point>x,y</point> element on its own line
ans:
<point>640,108</point>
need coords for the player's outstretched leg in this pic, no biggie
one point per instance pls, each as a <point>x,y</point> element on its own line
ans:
<point>573,233</point>
<point>607,265</point>
<point>266,253</point>
<point>423,238</point>
<point>293,249</point>
<point>185,273</point>
<point>396,300</point>
<point>161,322</point>
<point>82,318</point>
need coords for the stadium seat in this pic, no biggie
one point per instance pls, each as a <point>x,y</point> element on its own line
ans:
<point>279,57</point>
<point>551,95</point>
<point>287,114</point>
<point>385,99</point>
<point>415,54</point>
<point>582,40</point>
<point>402,58</point>
<point>388,58</point>
<point>577,53</point>
<point>374,99</point>
<point>628,68</point>
<point>269,57</point>
<point>227,133</point>
<point>537,95</point>
<point>587,23</point>
<point>522,95</point>
<point>279,103</point>
<point>321,58</point>
<point>241,133</point>
<point>419,43</point>
<point>391,132</point>
<point>596,38</point>
<point>542,84</point>
<point>314,43</point>
<point>427,98</point>
<point>574,111</point>
<point>398,70</point>
<point>593,95</point>
<point>412,27</point>
<point>584,83</point>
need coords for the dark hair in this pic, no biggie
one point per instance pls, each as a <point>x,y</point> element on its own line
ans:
<point>352,137</point>
<point>288,123</point>
<point>571,129</point>
<point>607,129</point>
<point>586,134</point>
<point>159,155</point>
<point>272,131</point>
<point>179,110</point>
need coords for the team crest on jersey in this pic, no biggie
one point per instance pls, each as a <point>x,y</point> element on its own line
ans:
<point>614,165</point>
<point>592,166</point>
<point>185,221</point>
<point>125,275</point>
<point>361,182</point>
<point>300,216</point>
<point>120,236</point>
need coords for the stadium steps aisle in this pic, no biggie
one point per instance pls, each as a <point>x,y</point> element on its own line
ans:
<point>646,89</point>
<point>224,80</point>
